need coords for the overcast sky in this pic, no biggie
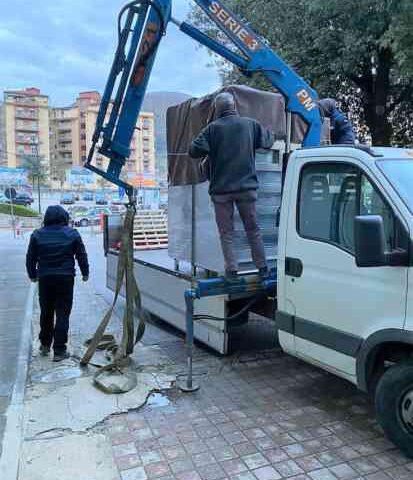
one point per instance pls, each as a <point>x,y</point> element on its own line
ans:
<point>66,46</point>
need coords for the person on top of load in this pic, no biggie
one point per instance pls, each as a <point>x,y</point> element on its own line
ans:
<point>342,132</point>
<point>230,143</point>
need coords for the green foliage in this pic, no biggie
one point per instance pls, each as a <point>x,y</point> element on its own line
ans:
<point>36,171</point>
<point>360,52</point>
<point>18,210</point>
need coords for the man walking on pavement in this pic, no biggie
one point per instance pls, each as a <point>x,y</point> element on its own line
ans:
<point>50,260</point>
<point>230,143</point>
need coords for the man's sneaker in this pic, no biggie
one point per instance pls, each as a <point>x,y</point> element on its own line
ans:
<point>58,357</point>
<point>44,350</point>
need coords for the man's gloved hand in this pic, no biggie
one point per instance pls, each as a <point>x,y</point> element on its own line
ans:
<point>85,278</point>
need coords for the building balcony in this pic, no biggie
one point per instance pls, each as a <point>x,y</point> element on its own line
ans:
<point>26,116</point>
<point>27,128</point>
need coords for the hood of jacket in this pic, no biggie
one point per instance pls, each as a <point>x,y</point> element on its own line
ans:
<point>56,215</point>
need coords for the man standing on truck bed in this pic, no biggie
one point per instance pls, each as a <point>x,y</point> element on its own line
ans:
<point>230,143</point>
<point>50,260</point>
<point>342,132</point>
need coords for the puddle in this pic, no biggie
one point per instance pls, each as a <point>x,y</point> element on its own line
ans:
<point>157,400</point>
<point>58,375</point>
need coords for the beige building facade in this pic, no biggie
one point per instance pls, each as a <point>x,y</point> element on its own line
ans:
<point>72,129</point>
<point>26,126</point>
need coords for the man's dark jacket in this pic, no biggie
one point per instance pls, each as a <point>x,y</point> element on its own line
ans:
<point>53,248</point>
<point>230,143</point>
<point>342,132</point>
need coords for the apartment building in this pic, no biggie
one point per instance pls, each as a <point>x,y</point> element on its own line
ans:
<point>72,129</point>
<point>26,126</point>
<point>3,148</point>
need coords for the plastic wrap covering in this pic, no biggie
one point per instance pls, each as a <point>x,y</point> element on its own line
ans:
<point>200,244</point>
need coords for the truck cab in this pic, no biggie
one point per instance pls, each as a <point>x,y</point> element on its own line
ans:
<point>345,299</point>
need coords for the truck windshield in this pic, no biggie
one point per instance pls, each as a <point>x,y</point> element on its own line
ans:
<point>400,175</point>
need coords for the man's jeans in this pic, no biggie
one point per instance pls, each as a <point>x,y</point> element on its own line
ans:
<point>224,214</point>
<point>55,297</point>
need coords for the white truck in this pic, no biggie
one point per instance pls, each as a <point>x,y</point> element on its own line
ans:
<point>344,297</point>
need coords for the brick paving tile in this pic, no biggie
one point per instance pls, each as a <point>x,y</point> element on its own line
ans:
<point>142,434</point>
<point>363,466</point>
<point>276,455</point>
<point>329,458</point>
<point>167,477</point>
<point>128,461</point>
<point>377,476</point>
<point>137,473</point>
<point>124,449</point>
<point>323,474</point>
<point>300,477</point>
<point>146,445</point>
<point>309,463</point>
<point>344,472</point>
<point>264,443</point>
<point>208,432</point>
<point>254,433</point>
<point>136,424</point>
<point>227,427</point>
<point>196,447</point>
<point>122,438</point>
<point>382,461</point>
<point>288,468</point>
<point>190,475</point>
<point>181,465</point>
<point>169,441</point>
<point>205,458</point>
<point>232,467</point>
<point>155,470</point>
<point>399,473</point>
<point>332,441</point>
<point>266,473</point>
<point>216,442</point>
<point>255,460</point>
<point>347,453</point>
<point>243,476</point>
<point>171,453</point>
<point>187,436</point>
<point>225,453</point>
<point>283,439</point>
<point>235,437</point>
<point>211,472</point>
<point>295,450</point>
<point>152,456</point>
<point>245,448</point>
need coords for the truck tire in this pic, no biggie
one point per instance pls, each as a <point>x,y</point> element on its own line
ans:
<point>394,406</point>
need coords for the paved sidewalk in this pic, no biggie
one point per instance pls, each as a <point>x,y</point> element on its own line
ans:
<point>14,288</point>
<point>259,415</point>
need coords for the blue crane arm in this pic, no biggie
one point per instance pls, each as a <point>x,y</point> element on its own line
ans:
<point>139,38</point>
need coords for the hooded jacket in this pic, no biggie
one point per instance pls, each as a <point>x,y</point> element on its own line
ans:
<point>230,143</point>
<point>53,248</point>
<point>342,132</point>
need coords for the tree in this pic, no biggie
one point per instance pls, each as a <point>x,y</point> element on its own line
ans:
<point>360,52</point>
<point>37,172</point>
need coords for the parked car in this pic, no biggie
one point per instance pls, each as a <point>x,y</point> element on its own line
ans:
<point>23,198</point>
<point>91,217</point>
<point>101,199</point>
<point>87,196</point>
<point>77,196</point>
<point>67,199</point>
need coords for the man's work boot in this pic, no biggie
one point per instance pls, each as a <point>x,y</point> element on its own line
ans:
<point>59,356</point>
<point>44,350</point>
<point>264,273</point>
<point>231,276</point>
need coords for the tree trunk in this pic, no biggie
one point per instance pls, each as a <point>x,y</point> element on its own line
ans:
<point>376,101</point>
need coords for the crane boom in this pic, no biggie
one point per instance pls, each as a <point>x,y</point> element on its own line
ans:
<point>139,36</point>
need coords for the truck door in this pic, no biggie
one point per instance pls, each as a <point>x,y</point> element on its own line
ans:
<point>336,303</point>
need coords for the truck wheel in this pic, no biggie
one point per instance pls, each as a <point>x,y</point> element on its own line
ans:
<point>394,406</point>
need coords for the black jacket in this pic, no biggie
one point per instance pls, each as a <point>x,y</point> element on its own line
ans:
<point>230,143</point>
<point>53,248</point>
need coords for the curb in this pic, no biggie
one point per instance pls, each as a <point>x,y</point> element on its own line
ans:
<point>9,460</point>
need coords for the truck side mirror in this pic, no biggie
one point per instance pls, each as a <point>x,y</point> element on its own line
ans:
<point>369,241</point>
